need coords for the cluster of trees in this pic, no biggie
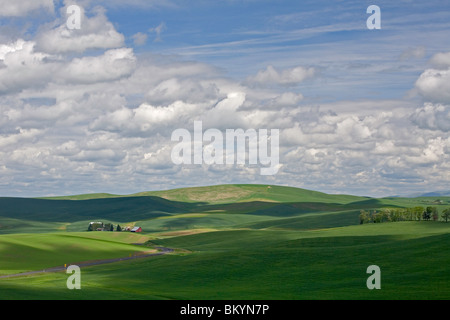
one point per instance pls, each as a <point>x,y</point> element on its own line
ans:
<point>94,226</point>
<point>403,214</point>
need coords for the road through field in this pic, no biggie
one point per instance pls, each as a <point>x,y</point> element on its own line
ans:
<point>92,263</point>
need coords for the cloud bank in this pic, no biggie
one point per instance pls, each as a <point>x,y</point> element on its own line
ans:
<point>81,112</point>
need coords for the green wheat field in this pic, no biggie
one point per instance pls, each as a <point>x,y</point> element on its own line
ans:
<point>229,242</point>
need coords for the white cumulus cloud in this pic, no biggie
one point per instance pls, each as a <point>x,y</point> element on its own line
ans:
<point>12,8</point>
<point>95,33</point>
<point>434,84</point>
<point>112,65</point>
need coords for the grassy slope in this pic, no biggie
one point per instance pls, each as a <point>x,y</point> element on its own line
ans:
<point>31,252</point>
<point>278,242</point>
<point>253,203</point>
<point>248,192</point>
<point>252,264</point>
<point>228,193</point>
<point>252,206</point>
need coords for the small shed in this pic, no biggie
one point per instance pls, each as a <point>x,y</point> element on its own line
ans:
<point>136,229</point>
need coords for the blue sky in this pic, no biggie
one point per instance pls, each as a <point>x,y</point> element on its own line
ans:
<point>242,37</point>
<point>359,111</point>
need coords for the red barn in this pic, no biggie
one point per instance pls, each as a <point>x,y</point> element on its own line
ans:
<point>136,229</point>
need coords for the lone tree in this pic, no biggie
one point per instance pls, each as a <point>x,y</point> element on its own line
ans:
<point>118,228</point>
<point>446,214</point>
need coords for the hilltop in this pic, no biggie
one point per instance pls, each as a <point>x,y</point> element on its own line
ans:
<point>228,193</point>
<point>268,242</point>
<point>221,206</point>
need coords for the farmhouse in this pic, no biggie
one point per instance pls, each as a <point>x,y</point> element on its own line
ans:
<point>136,229</point>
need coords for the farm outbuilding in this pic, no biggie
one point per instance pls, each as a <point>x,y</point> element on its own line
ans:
<point>136,229</point>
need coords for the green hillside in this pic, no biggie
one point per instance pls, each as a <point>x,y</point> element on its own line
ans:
<point>223,206</point>
<point>120,209</point>
<point>229,193</point>
<point>230,241</point>
<point>219,206</point>
<point>257,264</point>
<point>29,252</point>
<point>246,193</point>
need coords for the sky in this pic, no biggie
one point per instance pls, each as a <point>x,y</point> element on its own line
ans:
<point>93,108</point>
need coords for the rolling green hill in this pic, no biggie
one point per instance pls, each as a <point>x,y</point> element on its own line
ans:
<point>229,194</point>
<point>218,206</point>
<point>29,252</point>
<point>223,206</point>
<point>262,264</point>
<point>231,241</point>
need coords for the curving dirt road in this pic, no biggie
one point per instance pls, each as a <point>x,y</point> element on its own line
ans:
<point>92,263</point>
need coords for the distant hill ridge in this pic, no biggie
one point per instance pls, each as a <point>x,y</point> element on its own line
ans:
<point>249,205</point>
<point>228,193</point>
<point>267,200</point>
<point>432,194</point>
